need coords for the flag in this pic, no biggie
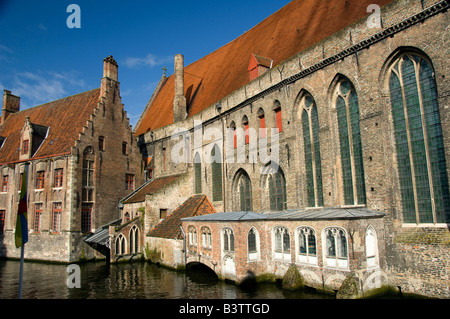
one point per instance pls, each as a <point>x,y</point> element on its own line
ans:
<point>21,235</point>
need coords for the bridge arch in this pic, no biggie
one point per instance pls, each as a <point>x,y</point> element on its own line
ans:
<point>200,272</point>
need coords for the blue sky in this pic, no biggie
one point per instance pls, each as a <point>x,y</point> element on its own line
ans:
<point>42,60</point>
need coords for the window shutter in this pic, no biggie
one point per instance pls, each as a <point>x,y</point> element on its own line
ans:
<point>262,125</point>
<point>278,119</point>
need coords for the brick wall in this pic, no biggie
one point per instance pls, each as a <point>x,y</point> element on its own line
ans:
<point>366,68</point>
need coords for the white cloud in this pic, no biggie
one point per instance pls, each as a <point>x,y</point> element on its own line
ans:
<point>150,60</point>
<point>6,54</point>
<point>42,87</point>
<point>6,49</point>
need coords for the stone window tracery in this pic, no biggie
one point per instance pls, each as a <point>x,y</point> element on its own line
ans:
<point>347,107</point>
<point>422,172</point>
<point>310,126</point>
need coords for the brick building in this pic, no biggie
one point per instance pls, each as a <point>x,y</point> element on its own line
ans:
<point>359,101</point>
<point>82,160</point>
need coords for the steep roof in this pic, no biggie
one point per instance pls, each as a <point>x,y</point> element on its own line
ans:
<point>150,187</point>
<point>196,205</point>
<point>62,120</point>
<point>292,29</point>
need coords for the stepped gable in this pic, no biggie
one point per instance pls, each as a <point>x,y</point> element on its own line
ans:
<point>292,29</point>
<point>64,118</point>
<point>196,205</point>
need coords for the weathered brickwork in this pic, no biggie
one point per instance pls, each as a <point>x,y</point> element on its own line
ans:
<point>316,272</point>
<point>110,164</point>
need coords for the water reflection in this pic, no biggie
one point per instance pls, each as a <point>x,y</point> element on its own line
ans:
<point>137,280</point>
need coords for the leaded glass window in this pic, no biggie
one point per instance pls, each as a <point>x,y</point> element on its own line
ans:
<point>228,240</point>
<point>347,108</point>
<point>243,192</point>
<point>277,190</point>
<point>336,251</point>
<point>282,240</point>
<point>307,241</point>
<point>251,241</point>
<point>310,125</point>
<point>422,171</point>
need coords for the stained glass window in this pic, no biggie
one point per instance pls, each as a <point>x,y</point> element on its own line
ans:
<point>419,143</point>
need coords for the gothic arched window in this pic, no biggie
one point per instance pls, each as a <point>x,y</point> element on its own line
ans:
<point>347,108</point>
<point>242,192</point>
<point>313,169</point>
<point>421,165</point>
<point>216,170</point>
<point>197,174</point>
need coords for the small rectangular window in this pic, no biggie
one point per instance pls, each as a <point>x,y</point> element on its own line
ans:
<point>56,218</point>
<point>25,146</point>
<point>86,218</point>
<point>101,143</point>
<point>40,177</point>
<point>58,177</point>
<point>129,181</point>
<point>5,183</point>
<point>37,217</point>
<point>124,148</point>
<point>162,213</point>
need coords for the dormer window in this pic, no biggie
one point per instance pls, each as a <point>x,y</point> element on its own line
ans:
<point>32,137</point>
<point>258,65</point>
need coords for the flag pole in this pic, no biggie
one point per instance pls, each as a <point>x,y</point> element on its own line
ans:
<point>22,250</point>
<point>21,232</point>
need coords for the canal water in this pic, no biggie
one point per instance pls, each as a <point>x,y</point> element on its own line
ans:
<point>136,280</point>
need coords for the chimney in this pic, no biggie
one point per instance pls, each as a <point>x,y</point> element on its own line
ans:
<point>110,71</point>
<point>179,101</point>
<point>11,104</point>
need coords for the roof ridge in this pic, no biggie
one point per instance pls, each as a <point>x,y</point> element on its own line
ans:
<point>238,37</point>
<point>44,104</point>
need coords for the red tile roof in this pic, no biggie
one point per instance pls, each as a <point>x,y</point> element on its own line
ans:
<point>150,188</point>
<point>196,205</point>
<point>293,28</point>
<point>64,118</point>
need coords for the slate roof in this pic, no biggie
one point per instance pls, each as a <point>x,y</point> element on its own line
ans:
<point>101,235</point>
<point>306,214</point>
<point>149,187</point>
<point>64,119</point>
<point>196,205</point>
<point>292,29</point>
